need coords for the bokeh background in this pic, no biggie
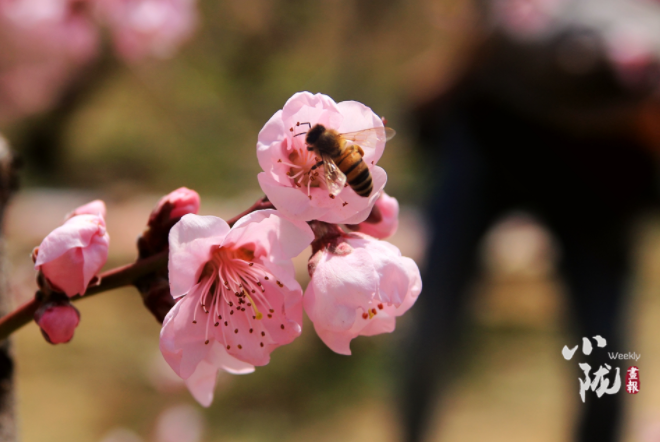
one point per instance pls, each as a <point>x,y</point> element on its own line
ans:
<point>139,129</point>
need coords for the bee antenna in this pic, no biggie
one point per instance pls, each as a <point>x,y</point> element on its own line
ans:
<point>301,133</point>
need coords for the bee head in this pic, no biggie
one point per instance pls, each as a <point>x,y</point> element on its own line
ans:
<point>314,134</point>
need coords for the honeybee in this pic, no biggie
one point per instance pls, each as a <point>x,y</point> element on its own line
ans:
<point>342,161</point>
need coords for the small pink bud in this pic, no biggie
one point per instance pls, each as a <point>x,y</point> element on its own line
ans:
<point>178,203</point>
<point>71,255</point>
<point>168,212</point>
<point>383,220</point>
<point>58,320</point>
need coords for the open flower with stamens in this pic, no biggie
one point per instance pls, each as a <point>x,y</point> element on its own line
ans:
<point>239,299</point>
<point>290,179</point>
<point>359,286</point>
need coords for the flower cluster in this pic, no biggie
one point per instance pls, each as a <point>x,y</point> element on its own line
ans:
<point>230,293</point>
<point>238,299</point>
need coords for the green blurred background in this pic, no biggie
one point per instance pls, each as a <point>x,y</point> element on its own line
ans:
<point>193,121</point>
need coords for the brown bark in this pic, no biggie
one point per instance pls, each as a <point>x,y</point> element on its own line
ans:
<point>8,184</point>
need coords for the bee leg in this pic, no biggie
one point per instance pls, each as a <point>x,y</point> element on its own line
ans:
<point>359,149</point>
<point>317,165</point>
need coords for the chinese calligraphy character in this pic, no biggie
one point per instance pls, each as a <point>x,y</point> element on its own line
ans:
<point>632,380</point>
<point>599,383</point>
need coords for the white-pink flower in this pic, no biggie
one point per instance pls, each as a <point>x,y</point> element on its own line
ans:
<point>239,299</point>
<point>359,286</point>
<point>71,255</point>
<point>383,220</point>
<point>142,28</point>
<point>288,178</point>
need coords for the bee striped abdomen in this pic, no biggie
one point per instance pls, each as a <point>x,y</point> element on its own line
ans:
<point>357,173</point>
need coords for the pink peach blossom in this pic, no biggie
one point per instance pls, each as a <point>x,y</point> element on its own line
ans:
<point>71,255</point>
<point>182,202</point>
<point>44,44</point>
<point>383,220</point>
<point>142,28</point>
<point>57,320</point>
<point>287,178</point>
<point>359,286</point>
<point>238,298</point>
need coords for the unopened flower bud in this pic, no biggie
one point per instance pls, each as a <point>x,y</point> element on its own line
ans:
<point>168,212</point>
<point>383,220</point>
<point>71,255</point>
<point>57,318</point>
<point>176,204</point>
<point>96,207</point>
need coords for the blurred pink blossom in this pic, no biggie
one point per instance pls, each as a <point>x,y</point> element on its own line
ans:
<point>359,286</point>
<point>383,220</point>
<point>239,299</point>
<point>287,164</point>
<point>142,28</point>
<point>71,255</point>
<point>45,42</point>
<point>181,423</point>
<point>57,320</point>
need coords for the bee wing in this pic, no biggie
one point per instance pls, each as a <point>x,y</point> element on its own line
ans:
<point>334,178</point>
<point>369,138</point>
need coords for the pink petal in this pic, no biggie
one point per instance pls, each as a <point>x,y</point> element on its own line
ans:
<point>201,383</point>
<point>339,342</point>
<point>358,208</point>
<point>304,107</point>
<point>357,117</point>
<point>270,139</point>
<point>96,207</point>
<point>393,274</point>
<point>183,200</point>
<point>290,201</point>
<point>59,323</point>
<point>276,328</point>
<point>340,285</point>
<point>75,232</point>
<point>379,325</point>
<point>95,256</point>
<point>415,287</point>
<point>66,272</point>
<point>273,235</point>
<point>387,226</point>
<point>179,333</point>
<point>190,241</point>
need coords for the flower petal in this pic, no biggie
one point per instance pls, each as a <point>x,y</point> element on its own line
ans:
<point>290,201</point>
<point>274,235</point>
<point>65,273</point>
<point>75,232</point>
<point>190,241</point>
<point>360,207</point>
<point>341,284</point>
<point>357,117</point>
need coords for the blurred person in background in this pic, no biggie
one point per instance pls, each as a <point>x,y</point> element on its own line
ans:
<point>558,114</point>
